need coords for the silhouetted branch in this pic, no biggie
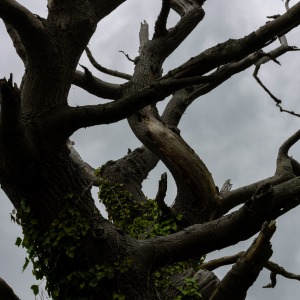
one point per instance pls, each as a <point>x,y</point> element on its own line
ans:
<point>244,273</point>
<point>23,21</point>
<point>18,44</point>
<point>6,292</point>
<point>161,194</point>
<point>103,69</point>
<point>96,86</point>
<point>128,57</point>
<point>284,47</point>
<point>160,28</point>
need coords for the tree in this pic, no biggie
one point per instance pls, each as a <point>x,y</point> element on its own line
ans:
<point>146,250</point>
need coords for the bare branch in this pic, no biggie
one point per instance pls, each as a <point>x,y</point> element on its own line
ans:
<point>223,261</point>
<point>275,268</point>
<point>103,8</point>
<point>192,13</point>
<point>23,21</point>
<point>244,273</point>
<point>237,49</point>
<point>160,28</point>
<point>200,239</point>
<point>272,56</point>
<point>18,44</point>
<point>96,86</point>
<point>74,118</point>
<point>285,147</point>
<point>84,167</point>
<point>273,281</point>
<point>103,69</point>
<point>284,163</point>
<point>6,292</point>
<point>277,101</point>
<point>228,260</point>
<point>128,57</point>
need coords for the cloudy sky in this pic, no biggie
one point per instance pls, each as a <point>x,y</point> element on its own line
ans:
<point>236,129</point>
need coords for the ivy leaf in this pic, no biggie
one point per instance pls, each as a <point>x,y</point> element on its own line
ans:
<point>35,289</point>
<point>18,241</point>
<point>25,264</point>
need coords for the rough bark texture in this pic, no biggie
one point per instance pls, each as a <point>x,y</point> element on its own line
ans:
<point>40,167</point>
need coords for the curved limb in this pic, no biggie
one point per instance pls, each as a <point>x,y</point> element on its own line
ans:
<point>23,21</point>
<point>103,69</point>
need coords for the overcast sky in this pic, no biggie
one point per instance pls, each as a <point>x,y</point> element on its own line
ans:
<point>236,129</point>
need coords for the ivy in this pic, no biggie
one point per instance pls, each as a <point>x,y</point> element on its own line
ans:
<point>62,244</point>
<point>144,220</point>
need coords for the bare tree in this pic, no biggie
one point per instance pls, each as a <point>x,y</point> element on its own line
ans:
<point>146,249</point>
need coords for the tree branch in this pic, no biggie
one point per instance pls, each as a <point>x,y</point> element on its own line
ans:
<point>74,118</point>
<point>271,266</point>
<point>237,49</point>
<point>200,239</point>
<point>105,70</point>
<point>223,261</point>
<point>284,172</point>
<point>192,14</point>
<point>84,167</point>
<point>275,268</point>
<point>103,8</point>
<point>6,292</point>
<point>160,28</point>
<point>284,162</point>
<point>29,28</point>
<point>96,86</point>
<point>245,272</point>
<point>18,44</point>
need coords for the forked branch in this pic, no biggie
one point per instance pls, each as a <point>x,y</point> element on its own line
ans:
<point>160,28</point>
<point>246,270</point>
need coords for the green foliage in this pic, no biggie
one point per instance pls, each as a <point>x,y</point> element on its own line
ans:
<point>35,289</point>
<point>144,220</point>
<point>141,220</point>
<point>63,245</point>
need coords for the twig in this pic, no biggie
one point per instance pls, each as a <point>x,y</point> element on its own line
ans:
<point>128,57</point>
<point>103,69</point>
<point>283,47</point>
